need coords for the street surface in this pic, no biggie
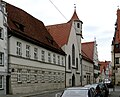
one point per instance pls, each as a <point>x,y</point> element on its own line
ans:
<point>52,94</point>
<point>112,93</point>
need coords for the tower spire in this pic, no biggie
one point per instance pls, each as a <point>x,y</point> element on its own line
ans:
<point>75,7</point>
<point>118,7</point>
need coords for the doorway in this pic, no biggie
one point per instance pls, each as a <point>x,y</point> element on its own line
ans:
<point>73,80</point>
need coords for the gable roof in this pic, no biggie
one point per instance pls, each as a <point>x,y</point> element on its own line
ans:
<point>117,29</point>
<point>103,65</point>
<point>116,38</point>
<point>88,50</point>
<point>25,26</point>
<point>61,32</point>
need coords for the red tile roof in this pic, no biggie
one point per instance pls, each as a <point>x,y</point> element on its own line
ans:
<point>116,38</point>
<point>88,50</point>
<point>117,31</point>
<point>61,32</point>
<point>27,27</point>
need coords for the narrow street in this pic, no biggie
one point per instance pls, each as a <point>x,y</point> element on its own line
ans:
<point>112,93</point>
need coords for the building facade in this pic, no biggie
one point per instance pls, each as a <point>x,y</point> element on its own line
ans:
<point>87,71</point>
<point>68,36</point>
<point>3,49</point>
<point>105,70</point>
<point>115,51</point>
<point>90,60</point>
<point>35,61</point>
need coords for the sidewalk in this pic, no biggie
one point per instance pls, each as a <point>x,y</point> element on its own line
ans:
<point>115,93</point>
<point>30,94</point>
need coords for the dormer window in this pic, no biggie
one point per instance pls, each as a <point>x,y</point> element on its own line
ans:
<point>19,26</point>
<point>50,40</point>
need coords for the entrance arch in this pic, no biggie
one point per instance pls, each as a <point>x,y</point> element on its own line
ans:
<point>73,80</point>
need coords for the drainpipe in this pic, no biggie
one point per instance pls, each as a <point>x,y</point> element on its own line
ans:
<point>65,71</point>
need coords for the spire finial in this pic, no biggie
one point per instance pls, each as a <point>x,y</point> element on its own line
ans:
<point>118,6</point>
<point>74,6</point>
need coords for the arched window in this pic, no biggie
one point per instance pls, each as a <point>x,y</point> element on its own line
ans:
<point>69,62</point>
<point>73,54</point>
<point>77,63</point>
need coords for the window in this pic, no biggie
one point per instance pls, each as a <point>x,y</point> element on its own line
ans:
<point>117,45</point>
<point>77,63</point>
<point>35,53</point>
<point>28,75</point>
<point>43,55</point>
<point>58,60</point>
<point>54,58</point>
<point>62,61</point>
<point>49,57</point>
<point>43,77</point>
<point>69,62</point>
<point>35,76</point>
<point>1,58</point>
<point>27,51</point>
<point>78,25</point>
<point>73,54</point>
<point>1,33</point>
<point>1,82</point>
<point>49,77</point>
<point>19,75</point>
<point>117,60</point>
<point>19,49</point>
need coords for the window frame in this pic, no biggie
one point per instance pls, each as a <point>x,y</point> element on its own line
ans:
<point>117,60</point>
<point>58,60</point>
<point>19,48</point>
<point>49,57</point>
<point>28,75</point>
<point>1,58</point>
<point>19,75</point>
<point>35,53</point>
<point>43,55</point>
<point>1,33</point>
<point>73,55</point>
<point>54,58</point>
<point>69,62</point>
<point>28,51</point>
<point>1,84</point>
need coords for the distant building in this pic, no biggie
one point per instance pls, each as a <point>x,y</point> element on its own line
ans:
<point>115,51</point>
<point>35,61</point>
<point>68,36</point>
<point>105,70</point>
<point>90,54</point>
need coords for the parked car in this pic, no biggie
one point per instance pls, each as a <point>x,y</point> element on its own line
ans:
<point>103,87</point>
<point>109,83</point>
<point>77,92</point>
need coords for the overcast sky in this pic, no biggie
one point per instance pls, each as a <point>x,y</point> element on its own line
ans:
<point>98,16</point>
